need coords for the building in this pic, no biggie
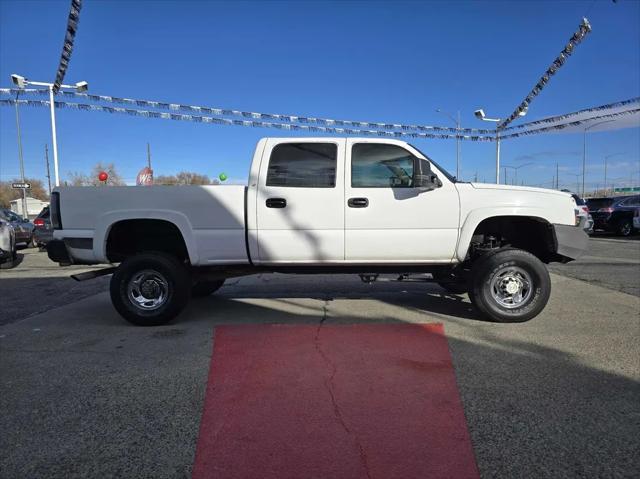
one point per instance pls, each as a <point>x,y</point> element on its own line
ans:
<point>34,207</point>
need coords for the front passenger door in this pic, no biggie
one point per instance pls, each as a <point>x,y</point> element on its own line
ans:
<point>387,219</point>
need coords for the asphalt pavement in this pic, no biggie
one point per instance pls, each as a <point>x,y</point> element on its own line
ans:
<point>85,394</point>
<point>611,261</point>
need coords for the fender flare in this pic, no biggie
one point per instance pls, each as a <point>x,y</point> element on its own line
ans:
<point>477,216</point>
<point>106,221</point>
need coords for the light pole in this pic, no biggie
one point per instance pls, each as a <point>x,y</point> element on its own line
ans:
<point>577,175</point>
<point>481,116</point>
<point>21,82</point>
<point>605,169</point>
<point>20,157</point>
<point>584,149</point>
<point>516,168</point>
<point>457,123</point>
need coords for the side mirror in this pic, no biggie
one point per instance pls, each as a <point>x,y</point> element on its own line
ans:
<point>423,178</point>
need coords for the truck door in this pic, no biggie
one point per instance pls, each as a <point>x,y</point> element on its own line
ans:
<point>387,220</point>
<point>300,201</point>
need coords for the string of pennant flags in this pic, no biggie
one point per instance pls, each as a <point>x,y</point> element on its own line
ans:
<point>562,126</point>
<point>246,123</point>
<point>566,116</point>
<point>583,30</point>
<point>67,46</point>
<point>311,124</point>
<point>248,114</point>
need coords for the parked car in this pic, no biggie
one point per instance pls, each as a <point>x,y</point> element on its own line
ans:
<point>43,229</point>
<point>583,212</point>
<point>23,228</point>
<point>615,214</point>
<point>7,245</point>
<point>321,205</point>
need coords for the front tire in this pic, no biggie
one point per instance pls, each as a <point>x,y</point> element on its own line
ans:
<point>150,289</point>
<point>510,286</point>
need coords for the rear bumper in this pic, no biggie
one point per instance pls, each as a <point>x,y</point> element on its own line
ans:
<point>571,241</point>
<point>43,236</point>
<point>57,251</point>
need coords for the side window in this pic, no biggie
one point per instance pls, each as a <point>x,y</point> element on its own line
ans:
<point>303,165</point>
<point>378,165</point>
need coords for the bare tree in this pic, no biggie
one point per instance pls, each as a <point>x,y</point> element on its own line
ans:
<point>184,178</point>
<point>8,194</point>
<point>81,179</point>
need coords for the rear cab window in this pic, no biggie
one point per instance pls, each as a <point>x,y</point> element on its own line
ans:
<point>303,165</point>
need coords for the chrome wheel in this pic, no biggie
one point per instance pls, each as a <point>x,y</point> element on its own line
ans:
<point>148,290</point>
<point>511,287</point>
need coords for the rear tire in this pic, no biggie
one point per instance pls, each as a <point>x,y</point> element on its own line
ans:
<point>205,288</point>
<point>625,228</point>
<point>510,286</point>
<point>150,289</point>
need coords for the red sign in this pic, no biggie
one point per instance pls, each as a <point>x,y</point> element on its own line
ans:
<point>145,177</point>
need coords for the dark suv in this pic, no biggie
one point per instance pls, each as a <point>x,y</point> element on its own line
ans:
<point>44,231</point>
<point>614,214</point>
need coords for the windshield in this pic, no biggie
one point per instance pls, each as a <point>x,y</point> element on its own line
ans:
<point>444,172</point>
<point>10,215</point>
<point>597,203</point>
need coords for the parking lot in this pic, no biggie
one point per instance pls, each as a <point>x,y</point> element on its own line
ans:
<point>85,394</point>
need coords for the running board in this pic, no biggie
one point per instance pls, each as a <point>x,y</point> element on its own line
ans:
<point>406,277</point>
<point>93,274</point>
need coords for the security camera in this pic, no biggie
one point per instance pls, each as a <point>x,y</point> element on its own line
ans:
<point>479,114</point>
<point>19,81</point>
<point>82,86</point>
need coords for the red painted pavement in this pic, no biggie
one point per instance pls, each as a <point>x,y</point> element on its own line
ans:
<point>347,401</point>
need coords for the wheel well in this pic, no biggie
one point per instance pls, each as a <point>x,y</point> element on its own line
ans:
<point>531,234</point>
<point>129,237</point>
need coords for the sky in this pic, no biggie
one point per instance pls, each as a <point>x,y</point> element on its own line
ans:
<point>373,61</point>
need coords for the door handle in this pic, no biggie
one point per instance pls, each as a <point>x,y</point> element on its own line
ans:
<point>358,202</point>
<point>276,203</point>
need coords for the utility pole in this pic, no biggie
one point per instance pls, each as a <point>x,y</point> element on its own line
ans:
<point>20,157</point>
<point>558,177</point>
<point>46,157</point>
<point>148,155</point>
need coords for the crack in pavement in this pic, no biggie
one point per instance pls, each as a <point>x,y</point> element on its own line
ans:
<point>329,385</point>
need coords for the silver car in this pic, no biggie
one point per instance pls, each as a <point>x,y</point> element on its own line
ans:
<point>7,245</point>
<point>24,229</point>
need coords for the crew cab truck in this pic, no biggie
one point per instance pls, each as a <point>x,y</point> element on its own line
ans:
<point>321,205</point>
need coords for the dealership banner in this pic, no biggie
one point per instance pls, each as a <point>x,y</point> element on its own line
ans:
<point>145,177</point>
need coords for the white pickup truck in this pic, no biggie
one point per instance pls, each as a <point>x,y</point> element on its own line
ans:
<point>321,205</point>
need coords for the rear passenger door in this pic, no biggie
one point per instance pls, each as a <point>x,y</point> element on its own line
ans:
<point>300,201</point>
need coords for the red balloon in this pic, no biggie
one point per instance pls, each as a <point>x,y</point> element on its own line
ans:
<point>102,176</point>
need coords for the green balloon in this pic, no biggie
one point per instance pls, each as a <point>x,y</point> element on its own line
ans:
<point>222,177</point>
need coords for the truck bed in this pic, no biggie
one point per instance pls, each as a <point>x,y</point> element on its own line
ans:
<point>211,216</point>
